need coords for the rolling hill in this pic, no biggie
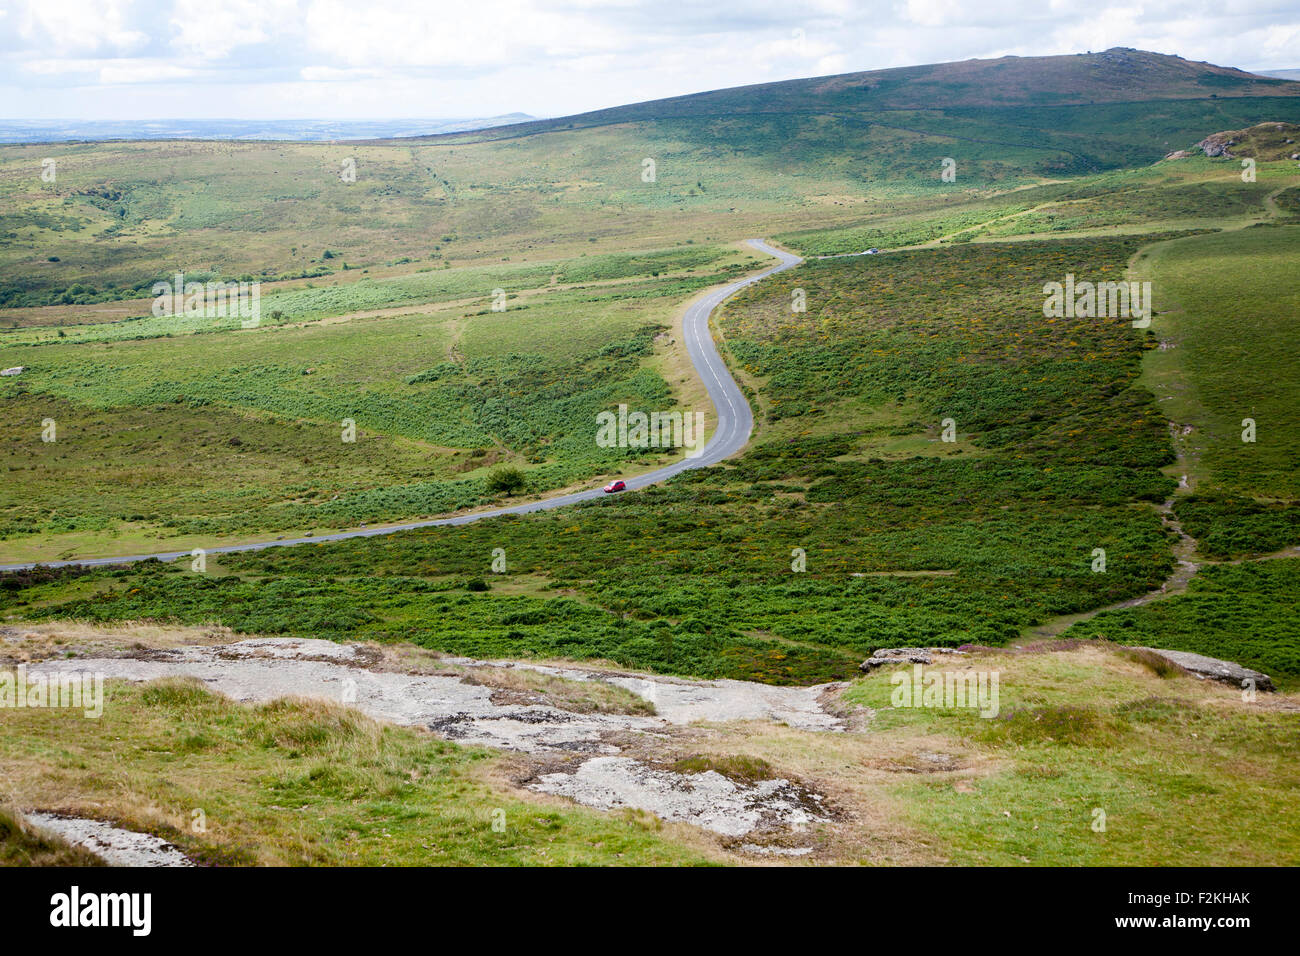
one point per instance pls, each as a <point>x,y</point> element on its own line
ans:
<point>1081,106</point>
<point>1119,75</point>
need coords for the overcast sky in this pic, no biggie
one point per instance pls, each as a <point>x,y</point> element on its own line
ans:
<point>357,59</point>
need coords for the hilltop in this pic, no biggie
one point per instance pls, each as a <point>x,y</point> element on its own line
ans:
<point>1119,75</point>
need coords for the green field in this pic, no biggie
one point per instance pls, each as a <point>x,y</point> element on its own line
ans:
<point>1229,334</point>
<point>380,795</point>
<point>1061,447</point>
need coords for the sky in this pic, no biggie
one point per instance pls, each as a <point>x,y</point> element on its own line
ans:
<point>369,59</point>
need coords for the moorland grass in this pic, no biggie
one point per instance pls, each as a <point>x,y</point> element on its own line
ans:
<point>204,438</point>
<point>1231,336</point>
<point>1094,760</point>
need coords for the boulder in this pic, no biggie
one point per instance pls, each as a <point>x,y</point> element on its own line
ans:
<point>1211,668</point>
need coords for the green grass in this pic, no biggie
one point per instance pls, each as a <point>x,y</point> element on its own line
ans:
<point>24,845</point>
<point>1188,194</point>
<point>1234,299</point>
<point>1230,333</point>
<point>196,437</point>
<point>1238,612</point>
<point>1185,774</point>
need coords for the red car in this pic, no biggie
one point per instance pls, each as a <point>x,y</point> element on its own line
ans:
<point>615,486</point>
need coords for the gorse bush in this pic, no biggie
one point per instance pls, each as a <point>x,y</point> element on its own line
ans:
<point>506,480</point>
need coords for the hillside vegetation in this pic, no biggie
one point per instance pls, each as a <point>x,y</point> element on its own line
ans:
<point>908,538</point>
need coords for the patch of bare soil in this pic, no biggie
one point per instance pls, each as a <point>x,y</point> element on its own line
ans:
<point>114,845</point>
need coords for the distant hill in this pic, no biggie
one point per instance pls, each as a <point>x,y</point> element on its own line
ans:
<point>1282,74</point>
<point>1009,120</point>
<point>780,159</point>
<point>61,131</point>
<point>1114,76</point>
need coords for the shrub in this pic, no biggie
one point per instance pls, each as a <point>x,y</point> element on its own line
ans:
<point>507,479</point>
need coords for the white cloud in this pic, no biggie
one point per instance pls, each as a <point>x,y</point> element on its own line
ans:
<point>142,71</point>
<point>932,13</point>
<point>331,74</point>
<point>211,29</point>
<point>482,33</point>
<point>336,58</point>
<point>78,26</point>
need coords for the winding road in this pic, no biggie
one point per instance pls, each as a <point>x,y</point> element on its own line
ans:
<point>734,418</point>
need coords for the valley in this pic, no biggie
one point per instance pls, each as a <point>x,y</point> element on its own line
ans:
<point>907,449</point>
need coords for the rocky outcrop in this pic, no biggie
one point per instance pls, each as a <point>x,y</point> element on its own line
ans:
<point>904,655</point>
<point>1211,668</point>
<point>1263,141</point>
<point>1214,148</point>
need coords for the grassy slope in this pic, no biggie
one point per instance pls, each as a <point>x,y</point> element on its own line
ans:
<point>1187,773</point>
<point>1231,338</point>
<point>1191,193</point>
<point>1234,299</point>
<point>1239,296</point>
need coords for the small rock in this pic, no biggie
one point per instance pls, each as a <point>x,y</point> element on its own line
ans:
<point>904,655</point>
